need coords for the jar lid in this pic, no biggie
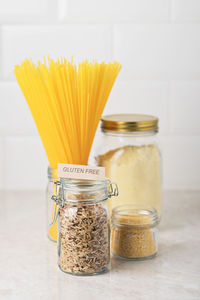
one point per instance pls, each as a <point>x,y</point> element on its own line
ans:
<point>129,122</point>
<point>134,215</point>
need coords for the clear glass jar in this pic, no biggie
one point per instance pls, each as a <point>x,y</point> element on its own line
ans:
<point>83,226</point>
<point>134,232</point>
<point>129,151</point>
<point>51,205</point>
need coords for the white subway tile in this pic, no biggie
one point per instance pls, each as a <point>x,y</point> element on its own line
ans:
<point>185,107</point>
<point>26,11</point>
<point>2,164</point>
<point>26,164</point>
<point>1,58</point>
<point>186,10</point>
<point>80,41</point>
<point>15,115</point>
<point>165,51</point>
<point>181,165</point>
<point>144,97</point>
<point>114,10</point>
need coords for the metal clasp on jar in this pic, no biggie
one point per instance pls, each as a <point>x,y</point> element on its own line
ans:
<point>58,197</point>
<point>112,188</point>
<point>58,200</point>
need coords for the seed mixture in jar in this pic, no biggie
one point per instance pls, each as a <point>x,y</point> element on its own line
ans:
<point>134,234</point>
<point>84,245</point>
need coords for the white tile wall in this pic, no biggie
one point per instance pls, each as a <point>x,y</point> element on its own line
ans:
<point>26,163</point>
<point>181,163</point>
<point>148,97</point>
<point>16,119</point>
<point>116,10</point>
<point>158,44</point>
<point>186,10</point>
<point>184,107</point>
<point>26,11</point>
<point>1,60</point>
<point>22,7</point>
<point>164,52</point>
<point>55,41</point>
<point>2,165</point>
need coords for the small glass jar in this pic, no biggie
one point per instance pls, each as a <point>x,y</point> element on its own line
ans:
<point>134,232</point>
<point>83,226</point>
<point>51,205</point>
<point>129,150</point>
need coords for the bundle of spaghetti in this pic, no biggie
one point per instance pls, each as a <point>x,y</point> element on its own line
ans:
<point>66,101</point>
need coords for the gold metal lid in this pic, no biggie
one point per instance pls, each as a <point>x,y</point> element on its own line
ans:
<point>129,122</point>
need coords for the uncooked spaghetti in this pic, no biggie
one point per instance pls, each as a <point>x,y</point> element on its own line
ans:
<point>66,101</point>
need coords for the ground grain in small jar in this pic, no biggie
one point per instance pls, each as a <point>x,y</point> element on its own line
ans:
<point>84,238</point>
<point>133,242</point>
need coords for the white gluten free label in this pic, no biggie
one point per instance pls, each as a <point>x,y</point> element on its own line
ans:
<point>81,172</point>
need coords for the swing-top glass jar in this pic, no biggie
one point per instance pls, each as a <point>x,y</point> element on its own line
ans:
<point>51,206</point>
<point>83,225</point>
<point>129,151</point>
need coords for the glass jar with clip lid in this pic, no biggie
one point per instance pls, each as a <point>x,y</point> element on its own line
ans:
<point>50,205</point>
<point>83,225</point>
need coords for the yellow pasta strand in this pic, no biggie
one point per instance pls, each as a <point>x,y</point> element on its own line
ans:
<point>66,101</point>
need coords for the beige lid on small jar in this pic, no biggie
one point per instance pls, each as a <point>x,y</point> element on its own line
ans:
<point>129,122</point>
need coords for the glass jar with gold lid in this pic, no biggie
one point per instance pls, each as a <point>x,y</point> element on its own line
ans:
<point>129,151</point>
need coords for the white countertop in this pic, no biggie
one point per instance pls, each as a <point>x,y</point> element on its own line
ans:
<point>28,260</point>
